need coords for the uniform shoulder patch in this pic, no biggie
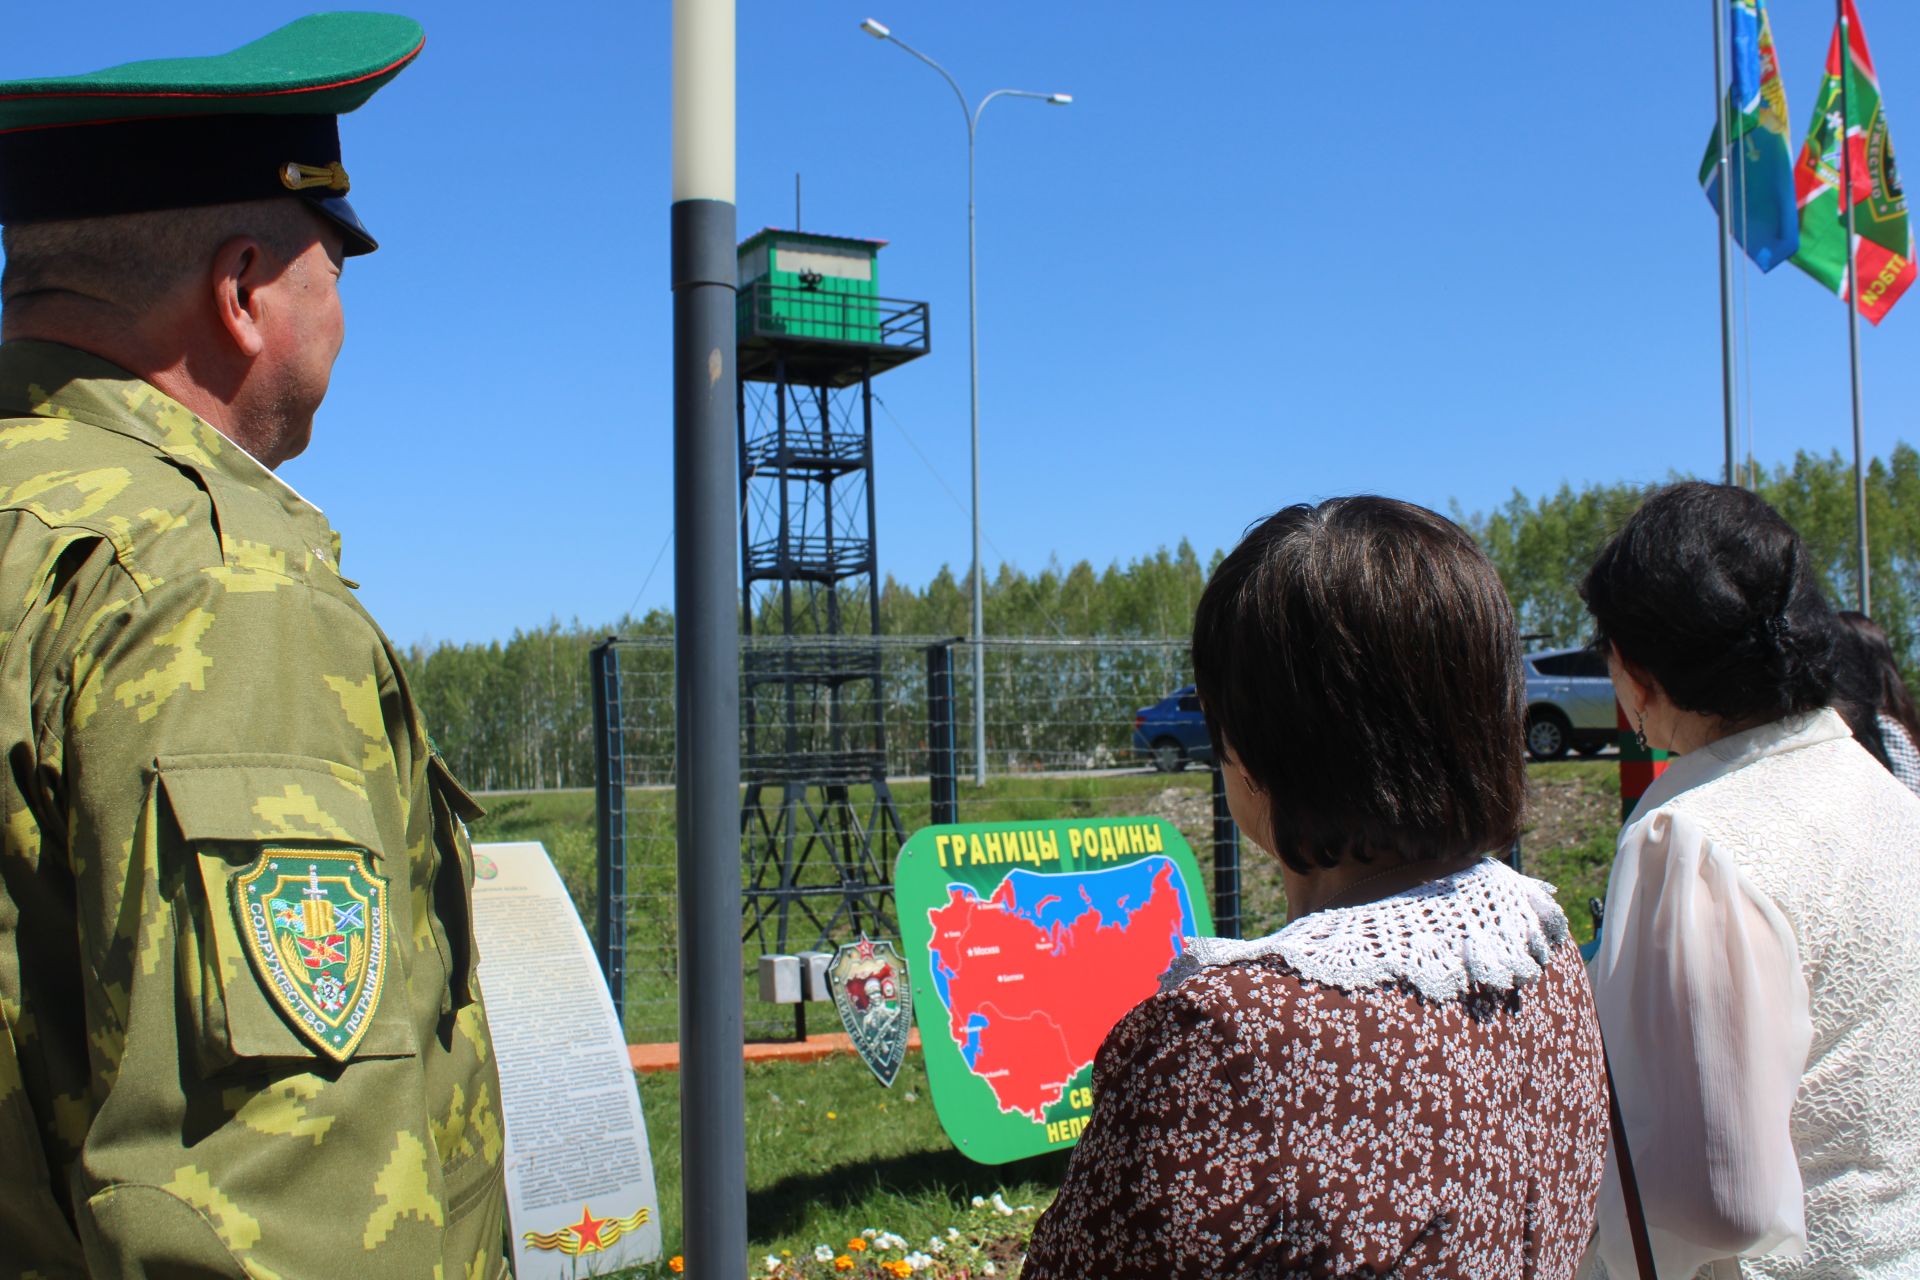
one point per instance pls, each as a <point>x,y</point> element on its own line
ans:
<point>315,924</point>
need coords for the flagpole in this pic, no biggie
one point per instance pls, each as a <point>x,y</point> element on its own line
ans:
<point>1720,114</point>
<point>1863,594</point>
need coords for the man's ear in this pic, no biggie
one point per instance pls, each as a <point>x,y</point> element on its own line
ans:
<point>240,267</point>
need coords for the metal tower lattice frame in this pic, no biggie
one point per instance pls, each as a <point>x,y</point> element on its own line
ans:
<point>819,826</point>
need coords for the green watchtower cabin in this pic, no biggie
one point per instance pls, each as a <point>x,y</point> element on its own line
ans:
<point>798,288</point>
<point>819,825</point>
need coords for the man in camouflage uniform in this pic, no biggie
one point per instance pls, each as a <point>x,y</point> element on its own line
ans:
<point>240,1029</point>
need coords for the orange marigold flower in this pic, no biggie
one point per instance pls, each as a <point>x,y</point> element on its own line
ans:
<point>676,1264</point>
<point>843,1263</point>
<point>856,1245</point>
<point>897,1267</point>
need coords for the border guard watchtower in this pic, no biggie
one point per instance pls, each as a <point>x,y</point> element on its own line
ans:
<point>818,823</point>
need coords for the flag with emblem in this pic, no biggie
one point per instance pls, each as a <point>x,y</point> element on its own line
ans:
<point>1883,239</point>
<point>1762,214</point>
<point>318,953</point>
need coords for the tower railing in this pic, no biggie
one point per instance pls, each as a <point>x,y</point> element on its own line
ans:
<point>808,559</point>
<point>769,310</point>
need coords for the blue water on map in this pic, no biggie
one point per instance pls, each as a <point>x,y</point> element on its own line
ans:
<point>976,1023</point>
<point>1062,898</point>
<point>941,977</point>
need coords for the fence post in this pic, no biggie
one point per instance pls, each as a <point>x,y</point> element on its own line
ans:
<point>943,788</point>
<point>610,821</point>
<point>1226,862</point>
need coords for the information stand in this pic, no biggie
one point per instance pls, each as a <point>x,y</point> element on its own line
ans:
<point>580,1190</point>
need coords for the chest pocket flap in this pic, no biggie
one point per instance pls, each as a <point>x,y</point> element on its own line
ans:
<point>291,901</point>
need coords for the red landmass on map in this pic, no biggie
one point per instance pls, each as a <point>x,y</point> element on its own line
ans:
<point>1049,996</point>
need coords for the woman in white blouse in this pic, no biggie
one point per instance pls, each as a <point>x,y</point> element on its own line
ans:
<point>1758,980</point>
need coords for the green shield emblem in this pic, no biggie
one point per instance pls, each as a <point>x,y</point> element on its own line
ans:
<point>315,924</point>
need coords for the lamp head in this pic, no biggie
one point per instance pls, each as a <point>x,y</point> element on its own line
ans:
<point>1060,99</point>
<point>875,29</point>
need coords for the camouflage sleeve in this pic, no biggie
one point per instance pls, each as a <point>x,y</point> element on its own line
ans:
<point>273,939</point>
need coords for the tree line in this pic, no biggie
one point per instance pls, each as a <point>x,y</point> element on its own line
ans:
<point>1543,546</point>
<point>517,715</point>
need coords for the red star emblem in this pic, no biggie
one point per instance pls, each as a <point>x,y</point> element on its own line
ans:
<point>588,1229</point>
<point>865,950</point>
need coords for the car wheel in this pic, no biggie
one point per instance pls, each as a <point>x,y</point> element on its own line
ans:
<point>1167,756</point>
<point>1548,735</point>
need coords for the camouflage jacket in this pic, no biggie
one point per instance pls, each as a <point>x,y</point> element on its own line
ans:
<point>240,1028</point>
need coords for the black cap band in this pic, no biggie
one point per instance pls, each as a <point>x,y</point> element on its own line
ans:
<point>170,162</point>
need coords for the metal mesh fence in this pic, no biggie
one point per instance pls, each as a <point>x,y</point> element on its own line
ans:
<point>844,752</point>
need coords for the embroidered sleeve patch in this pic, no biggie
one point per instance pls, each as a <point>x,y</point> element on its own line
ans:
<point>315,924</point>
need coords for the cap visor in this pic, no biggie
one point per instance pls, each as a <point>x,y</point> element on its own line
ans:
<point>336,210</point>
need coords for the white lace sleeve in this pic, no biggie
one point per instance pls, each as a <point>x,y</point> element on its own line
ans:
<point>1706,1018</point>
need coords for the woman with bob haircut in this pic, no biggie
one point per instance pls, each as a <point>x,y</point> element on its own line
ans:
<point>1407,1078</point>
<point>1759,974</point>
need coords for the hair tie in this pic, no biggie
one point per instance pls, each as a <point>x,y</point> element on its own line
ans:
<point>1778,628</point>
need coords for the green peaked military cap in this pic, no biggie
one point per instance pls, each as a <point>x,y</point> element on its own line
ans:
<point>172,133</point>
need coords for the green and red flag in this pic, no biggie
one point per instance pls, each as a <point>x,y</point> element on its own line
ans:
<point>1883,239</point>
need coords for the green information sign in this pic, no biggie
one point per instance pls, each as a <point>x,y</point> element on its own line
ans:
<point>1027,942</point>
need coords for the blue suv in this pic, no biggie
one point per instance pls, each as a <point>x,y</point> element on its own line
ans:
<point>1173,731</point>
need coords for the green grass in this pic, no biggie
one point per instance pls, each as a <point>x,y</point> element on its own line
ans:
<point>829,1152</point>
<point>1576,852</point>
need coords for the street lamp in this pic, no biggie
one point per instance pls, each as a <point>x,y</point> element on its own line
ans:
<point>972,116</point>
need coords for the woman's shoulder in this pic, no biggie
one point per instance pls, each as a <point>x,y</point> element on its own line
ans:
<point>1826,789</point>
<point>1486,928</point>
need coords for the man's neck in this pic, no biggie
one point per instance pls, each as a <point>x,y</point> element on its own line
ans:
<point>107,332</point>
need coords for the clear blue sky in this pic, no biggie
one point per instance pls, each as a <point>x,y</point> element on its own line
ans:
<point>1273,252</point>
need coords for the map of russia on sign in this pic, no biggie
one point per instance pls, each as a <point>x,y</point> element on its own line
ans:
<point>1028,942</point>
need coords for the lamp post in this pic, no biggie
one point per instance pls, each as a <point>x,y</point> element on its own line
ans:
<point>972,117</point>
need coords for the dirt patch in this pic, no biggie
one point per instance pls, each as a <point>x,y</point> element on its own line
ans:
<point>1188,808</point>
<point>1565,806</point>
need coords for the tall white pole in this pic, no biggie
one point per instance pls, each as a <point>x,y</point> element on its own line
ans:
<point>1724,117</point>
<point>973,401</point>
<point>713,1143</point>
<point>1863,595</point>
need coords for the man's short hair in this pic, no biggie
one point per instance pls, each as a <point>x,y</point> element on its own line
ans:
<point>1360,660</point>
<point>136,259</point>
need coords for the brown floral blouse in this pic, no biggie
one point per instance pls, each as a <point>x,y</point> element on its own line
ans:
<point>1251,1122</point>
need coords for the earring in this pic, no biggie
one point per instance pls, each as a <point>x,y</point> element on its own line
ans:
<point>1640,730</point>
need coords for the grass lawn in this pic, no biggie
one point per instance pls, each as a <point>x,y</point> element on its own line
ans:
<point>831,1154</point>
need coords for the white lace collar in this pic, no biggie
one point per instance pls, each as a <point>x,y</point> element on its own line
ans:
<point>1487,926</point>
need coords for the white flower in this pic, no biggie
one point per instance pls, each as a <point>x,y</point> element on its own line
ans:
<point>937,1245</point>
<point>953,1233</point>
<point>979,1202</point>
<point>773,1263</point>
<point>822,1254</point>
<point>868,1234</point>
<point>919,1261</point>
<point>987,1268</point>
<point>1000,1205</point>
